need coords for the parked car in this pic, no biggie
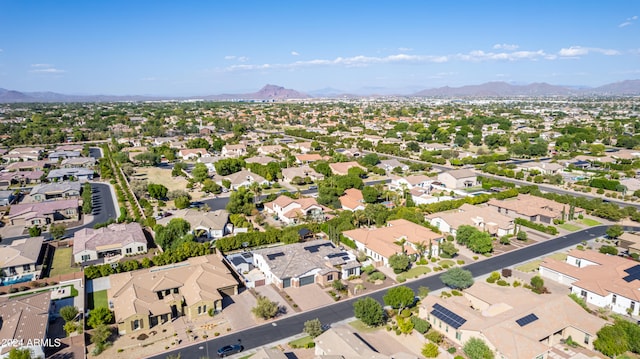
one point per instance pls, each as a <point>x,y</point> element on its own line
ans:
<point>229,349</point>
<point>313,187</point>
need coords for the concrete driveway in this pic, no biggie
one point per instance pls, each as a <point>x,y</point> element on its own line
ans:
<point>309,296</point>
<point>237,310</point>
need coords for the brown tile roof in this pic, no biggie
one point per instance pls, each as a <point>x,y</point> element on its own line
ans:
<point>114,234</point>
<point>383,240</point>
<point>198,278</point>
<point>475,216</point>
<point>308,157</point>
<point>20,252</point>
<point>528,205</point>
<point>25,318</point>
<point>461,173</point>
<point>603,278</point>
<point>41,208</point>
<point>341,168</point>
<point>352,198</point>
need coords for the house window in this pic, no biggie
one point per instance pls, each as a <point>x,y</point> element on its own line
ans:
<point>458,336</point>
<point>204,308</point>
<point>330,277</point>
<point>175,290</point>
<point>140,248</point>
<point>36,221</point>
<point>136,324</point>
<point>26,267</point>
<point>578,262</point>
<point>199,310</point>
<point>71,211</point>
<point>583,293</point>
<point>128,250</point>
<point>85,257</point>
<point>632,307</point>
<point>613,300</point>
<point>586,338</point>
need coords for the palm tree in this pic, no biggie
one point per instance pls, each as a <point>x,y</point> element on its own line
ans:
<point>358,217</point>
<point>421,248</point>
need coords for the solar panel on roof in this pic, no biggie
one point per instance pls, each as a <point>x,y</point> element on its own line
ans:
<point>335,255</point>
<point>633,273</point>
<point>447,316</point>
<point>316,248</point>
<point>529,318</point>
<point>273,256</point>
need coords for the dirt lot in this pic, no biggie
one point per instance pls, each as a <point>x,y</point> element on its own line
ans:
<point>163,176</point>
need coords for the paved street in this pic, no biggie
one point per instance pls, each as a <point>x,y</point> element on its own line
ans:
<point>292,325</point>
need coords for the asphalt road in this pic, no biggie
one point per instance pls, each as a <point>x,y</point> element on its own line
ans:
<point>292,325</point>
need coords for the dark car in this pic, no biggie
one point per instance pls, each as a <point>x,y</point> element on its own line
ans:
<point>229,349</point>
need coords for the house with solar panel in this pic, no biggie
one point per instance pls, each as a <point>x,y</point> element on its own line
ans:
<point>513,322</point>
<point>602,280</point>
<point>300,264</point>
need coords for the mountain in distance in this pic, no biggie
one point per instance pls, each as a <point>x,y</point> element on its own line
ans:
<point>274,92</point>
<point>268,92</point>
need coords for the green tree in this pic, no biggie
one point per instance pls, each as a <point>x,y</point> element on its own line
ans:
<point>313,327</point>
<point>615,231</point>
<point>612,340</point>
<point>522,235</point>
<point>87,198</point>
<point>57,230</point>
<point>228,166</point>
<point>16,353</point>
<point>182,202</point>
<point>399,262</point>
<point>265,308</point>
<point>476,348</point>
<point>370,194</point>
<point>240,201</point>
<point>178,169</point>
<point>100,336</point>
<point>369,311</point>
<point>68,313</point>
<point>537,284</point>
<point>480,242</point>
<point>457,278</point>
<point>200,172</point>
<point>464,233</point>
<point>157,191</point>
<point>399,297</point>
<point>423,292</point>
<point>370,159</point>
<point>197,143</point>
<point>35,231</point>
<point>448,249</point>
<point>100,316</point>
<point>430,350</point>
<point>148,158</point>
<point>210,186</point>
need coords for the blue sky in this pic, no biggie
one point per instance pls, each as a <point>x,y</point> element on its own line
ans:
<point>211,47</point>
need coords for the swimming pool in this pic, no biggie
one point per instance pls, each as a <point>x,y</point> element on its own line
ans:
<point>17,279</point>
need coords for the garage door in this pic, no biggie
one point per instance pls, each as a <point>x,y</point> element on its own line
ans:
<point>286,283</point>
<point>307,280</point>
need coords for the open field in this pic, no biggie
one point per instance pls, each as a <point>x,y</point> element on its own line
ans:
<point>62,262</point>
<point>163,176</point>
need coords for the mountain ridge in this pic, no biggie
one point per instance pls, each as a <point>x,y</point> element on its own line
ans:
<point>275,92</point>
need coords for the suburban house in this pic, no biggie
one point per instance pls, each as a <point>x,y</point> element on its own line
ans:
<point>188,154</point>
<point>85,162</point>
<point>7,198</point>
<point>343,342</point>
<point>43,213</point>
<point>244,178</point>
<point>70,147</point>
<point>303,171</point>
<point>390,165</point>
<point>352,200</point>
<point>77,173</point>
<point>145,298</point>
<point>56,156</point>
<point>545,168</point>
<point>303,147</point>
<point>511,321</point>
<point>397,237</point>
<point>300,264</point>
<point>23,154</point>
<point>630,242</point>
<point>532,208</point>
<point>25,321</point>
<point>270,150</point>
<point>20,177</point>
<point>481,218</point>
<point>51,191</point>
<point>307,158</point>
<point>28,166</point>
<point>234,150</point>
<point>269,353</point>
<point>292,211</point>
<point>211,225</point>
<point>413,181</point>
<point>342,168</point>
<point>117,239</point>
<point>602,280</point>
<point>262,160</point>
<point>20,257</point>
<point>458,179</point>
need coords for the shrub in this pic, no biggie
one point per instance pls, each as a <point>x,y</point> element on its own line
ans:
<point>430,350</point>
<point>503,283</point>
<point>456,293</point>
<point>493,277</point>
<point>435,336</point>
<point>506,272</point>
<point>451,350</point>
<point>516,284</point>
<point>420,325</point>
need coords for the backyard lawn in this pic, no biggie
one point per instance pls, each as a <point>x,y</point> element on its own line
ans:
<point>97,299</point>
<point>62,262</point>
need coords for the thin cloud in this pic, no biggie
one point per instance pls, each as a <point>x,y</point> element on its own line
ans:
<point>405,49</point>
<point>237,58</point>
<point>628,21</point>
<point>45,69</point>
<point>508,47</point>
<point>479,55</point>
<point>294,53</point>
<point>577,51</point>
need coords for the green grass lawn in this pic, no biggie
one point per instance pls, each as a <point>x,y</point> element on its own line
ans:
<point>301,342</point>
<point>448,262</point>
<point>589,222</point>
<point>414,272</point>
<point>97,299</point>
<point>62,262</point>
<point>570,227</point>
<point>529,266</point>
<point>558,256</point>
